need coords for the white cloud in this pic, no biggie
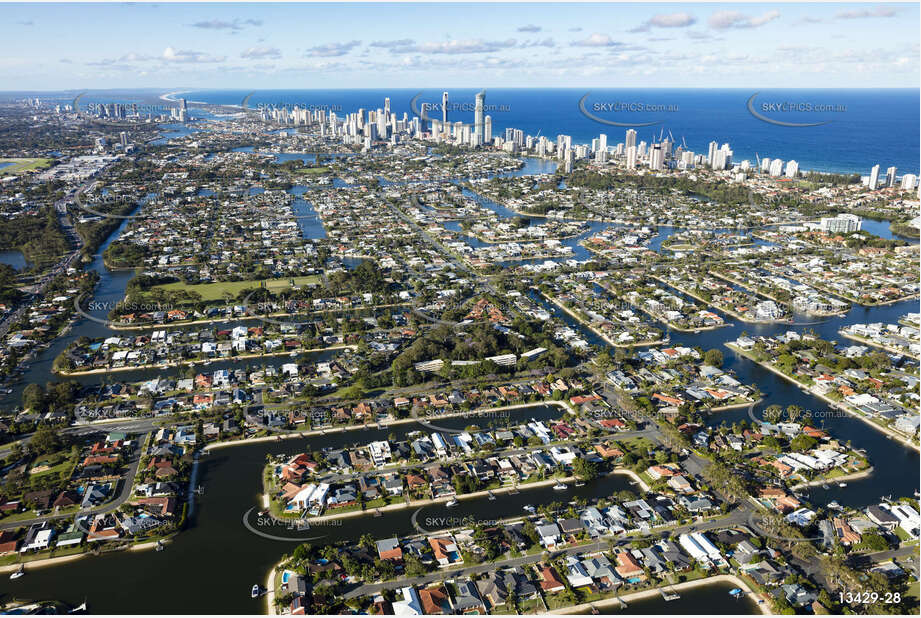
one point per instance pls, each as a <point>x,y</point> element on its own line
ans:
<point>722,20</point>
<point>457,46</point>
<point>332,49</point>
<point>596,40</point>
<point>260,52</point>
<point>189,56</point>
<point>879,11</point>
<point>548,42</point>
<point>666,20</point>
<point>529,28</point>
<point>219,24</point>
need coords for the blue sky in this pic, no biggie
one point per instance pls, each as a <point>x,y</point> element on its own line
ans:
<point>240,46</point>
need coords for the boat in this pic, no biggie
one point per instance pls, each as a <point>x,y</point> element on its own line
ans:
<point>529,508</point>
<point>825,486</point>
<point>19,573</point>
<point>257,590</point>
<point>580,483</point>
<point>491,496</point>
<point>560,486</point>
<point>735,592</point>
<point>452,503</point>
<point>842,484</point>
<point>160,545</point>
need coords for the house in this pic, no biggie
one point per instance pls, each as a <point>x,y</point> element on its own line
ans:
<point>435,600</point>
<point>38,537</point>
<point>467,600</point>
<point>628,568</point>
<point>549,535</point>
<point>445,551</point>
<point>571,526</point>
<point>549,580</point>
<point>389,549</point>
<point>576,573</point>
<point>601,571</point>
<point>411,605</point>
<point>492,589</point>
<point>8,542</point>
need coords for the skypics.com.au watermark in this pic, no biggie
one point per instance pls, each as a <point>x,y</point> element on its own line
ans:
<point>771,111</point>
<point>624,107</point>
<point>287,530</point>
<point>98,200</point>
<point>465,107</point>
<point>290,107</point>
<point>478,415</point>
<point>122,307</point>
<point>634,107</point>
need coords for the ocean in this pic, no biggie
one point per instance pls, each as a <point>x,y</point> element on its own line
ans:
<point>862,127</point>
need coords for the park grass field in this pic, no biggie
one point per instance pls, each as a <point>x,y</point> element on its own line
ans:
<point>313,171</point>
<point>216,291</point>
<point>23,165</point>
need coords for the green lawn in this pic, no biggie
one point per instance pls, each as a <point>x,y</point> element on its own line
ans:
<point>23,165</point>
<point>216,291</point>
<point>313,171</point>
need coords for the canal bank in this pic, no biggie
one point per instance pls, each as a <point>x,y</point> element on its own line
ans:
<point>217,549</point>
<point>624,602</point>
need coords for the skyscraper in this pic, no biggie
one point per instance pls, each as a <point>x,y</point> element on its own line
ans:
<point>444,108</point>
<point>487,130</point>
<point>630,139</point>
<point>874,177</point>
<point>792,169</point>
<point>890,177</point>
<point>631,158</point>
<point>602,142</point>
<point>656,157</point>
<point>478,121</point>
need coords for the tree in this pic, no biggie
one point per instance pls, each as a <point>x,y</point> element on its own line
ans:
<point>713,357</point>
<point>45,440</point>
<point>802,442</point>
<point>584,469</point>
<point>33,397</point>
